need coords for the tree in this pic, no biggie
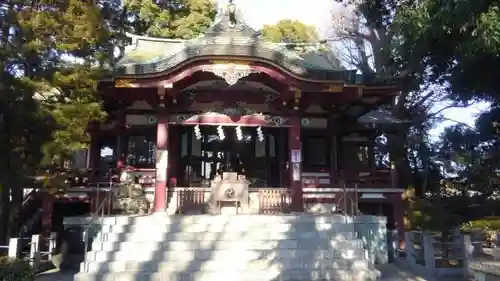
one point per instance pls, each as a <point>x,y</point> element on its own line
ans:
<point>51,55</point>
<point>436,50</point>
<point>291,31</point>
<point>458,43</point>
<point>455,40</point>
<point>183,19</point>
<point>470,181</point>
<point>25,128</point>
<point>370,39</point>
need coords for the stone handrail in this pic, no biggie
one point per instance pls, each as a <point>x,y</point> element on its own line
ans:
<point>485,270</point>
<point>36,255</point>
<point>427,254</point>
<point>487,267</point>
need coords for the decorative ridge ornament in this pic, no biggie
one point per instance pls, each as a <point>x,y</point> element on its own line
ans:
<point>229,22</point>
<point>125,83</point>
<point>231,72</point>
<point>231,9</point>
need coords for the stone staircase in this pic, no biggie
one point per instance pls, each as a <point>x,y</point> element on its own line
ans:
<point>232,247</point>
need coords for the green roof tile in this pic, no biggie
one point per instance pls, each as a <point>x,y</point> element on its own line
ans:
<point>225,38</point>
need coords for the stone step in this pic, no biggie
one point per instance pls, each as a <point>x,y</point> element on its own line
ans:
<point>227,245</point>
<point>235,275</point>
<point>164,219</point>
<point>200,265</point>
<point>152,236</point>
<point>234,226</point>
<point>223,256</point>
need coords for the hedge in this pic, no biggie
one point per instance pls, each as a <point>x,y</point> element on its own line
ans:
<point>15,270</point>
<point>486,223</point>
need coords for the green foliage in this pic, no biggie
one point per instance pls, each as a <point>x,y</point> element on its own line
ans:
<point>72,121</point>
<point>420,214</point>
<point>471,156</point>
<point>455,40</point>
<point>291,31</point>
<point>15,270</point>
<point>50,64</point>
<point>373,41</point>
<point>487,223</point>
<point>443,211</point>
<point>49,68</point>
<point>456,44</point>
<point>59,51</point>
<point>438,214</point>
<point>184,19</point>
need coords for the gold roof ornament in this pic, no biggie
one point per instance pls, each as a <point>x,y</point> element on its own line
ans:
<point>231,72</point>
<point>334,88</point>
<point>125,83</point>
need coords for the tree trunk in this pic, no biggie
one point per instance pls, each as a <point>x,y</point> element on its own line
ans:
<point>4,214</point>
<point>396,143</point>
<point>15,209</point>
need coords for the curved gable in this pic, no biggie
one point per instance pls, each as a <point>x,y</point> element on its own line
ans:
<point>229,37</point>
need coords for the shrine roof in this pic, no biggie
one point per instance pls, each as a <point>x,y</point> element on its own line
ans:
<point>379,117</point>
<point>230,37</point>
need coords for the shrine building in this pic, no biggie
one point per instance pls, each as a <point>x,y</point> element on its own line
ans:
<point>296,126</point>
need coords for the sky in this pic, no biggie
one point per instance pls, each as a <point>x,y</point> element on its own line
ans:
<point>257,13</point>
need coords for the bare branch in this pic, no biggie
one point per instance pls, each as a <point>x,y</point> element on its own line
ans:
<point>422,100</point>
<point>449,107</point>
<point>458,122</point>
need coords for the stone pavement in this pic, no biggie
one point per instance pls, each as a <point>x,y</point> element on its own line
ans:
<point>55,275</point>
<point>389,273</point>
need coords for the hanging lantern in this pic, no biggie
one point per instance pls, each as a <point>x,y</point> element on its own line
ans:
<point>260,135</point>
<point>239,133</point>
<point>197,132</point>
<point>220,131</point>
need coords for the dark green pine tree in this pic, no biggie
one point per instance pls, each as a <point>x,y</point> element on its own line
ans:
<point>52,55</point>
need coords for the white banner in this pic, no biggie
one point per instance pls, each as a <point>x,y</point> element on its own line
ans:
<point>162,159</point>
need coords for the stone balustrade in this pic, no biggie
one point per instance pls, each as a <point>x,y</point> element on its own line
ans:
<point>35,249</point>
<point>430,255</point>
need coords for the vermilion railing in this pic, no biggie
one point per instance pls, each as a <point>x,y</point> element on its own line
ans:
<point>194,199</point>
<point>274,200</point>
<point>190,199</point>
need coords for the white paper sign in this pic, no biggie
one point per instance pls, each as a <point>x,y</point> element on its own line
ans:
<point>296,172</point>
<point>296,156</point>
<point>162,159</point>
<point>161,175</point>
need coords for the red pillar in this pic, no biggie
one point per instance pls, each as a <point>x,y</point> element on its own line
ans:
<point>161,166</point>
<point>175,146</point>
<point>397,202</point>
<point>47,206</point>
<point>295,168</point>
<point>120,145</point>
<point>93,155</point>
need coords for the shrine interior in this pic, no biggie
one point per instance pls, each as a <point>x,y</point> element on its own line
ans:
<point>259,153</point>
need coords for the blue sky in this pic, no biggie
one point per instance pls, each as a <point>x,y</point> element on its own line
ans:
<point>259,12</point>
